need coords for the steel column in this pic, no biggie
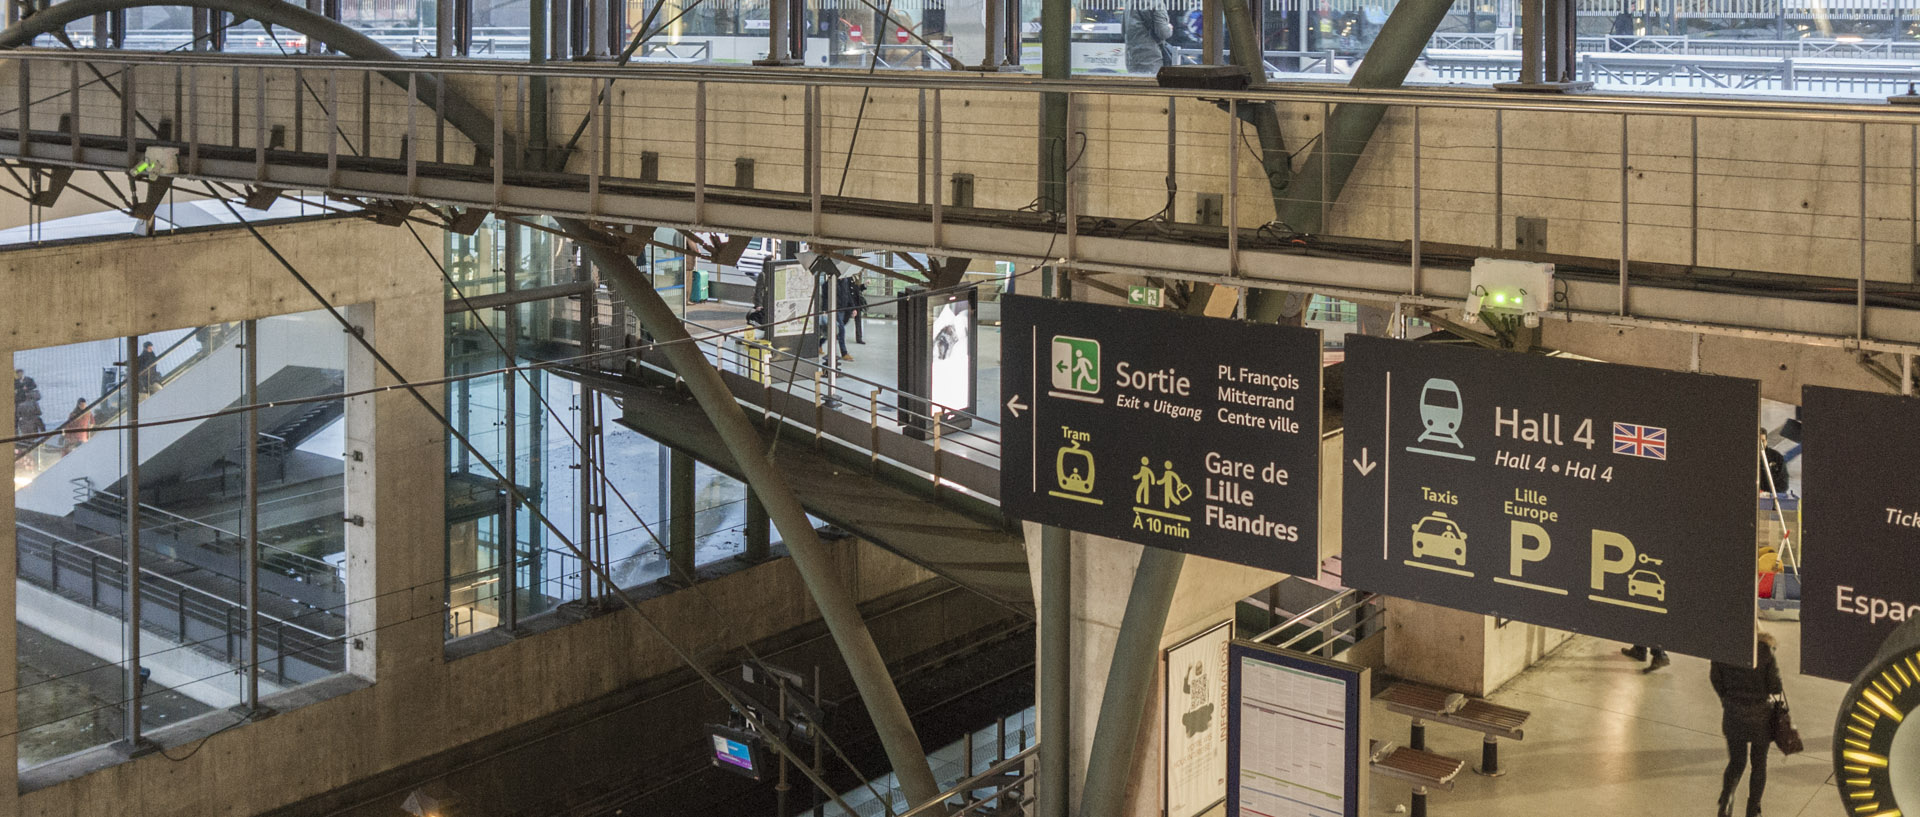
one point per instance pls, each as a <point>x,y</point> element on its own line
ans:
<point>1130,682</point>
<point>1056,62</point>
<point>510,536</point>
<point>1860,289</point>
<point>680,561</point>
<point>1056,669</point>
<point>251,557</point>
<point>1625,218</point>
<point>1347,128</point>
<point>130,593</point>
<point>538,18</point>
<point>1242,22</point>
<point>780,20</point>
<point>830,594</point>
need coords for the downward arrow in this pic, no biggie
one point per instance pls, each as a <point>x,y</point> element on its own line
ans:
<point>1364,465</point>
<point>1014,405</point>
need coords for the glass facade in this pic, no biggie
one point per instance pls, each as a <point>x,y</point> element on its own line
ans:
<point>155,525</point>
<point>586,480</point>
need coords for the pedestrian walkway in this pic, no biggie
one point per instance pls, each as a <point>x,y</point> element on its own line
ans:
<point>1606,739</point>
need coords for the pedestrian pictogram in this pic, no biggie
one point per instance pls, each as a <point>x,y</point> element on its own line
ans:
<point>1076,368</point>
<point>1165,486</point>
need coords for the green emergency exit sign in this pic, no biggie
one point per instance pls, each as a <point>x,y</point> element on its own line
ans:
<point>1143,296</point>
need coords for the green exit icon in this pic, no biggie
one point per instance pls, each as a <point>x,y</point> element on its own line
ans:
<point>1076,364</point>
<point>1144,296</point>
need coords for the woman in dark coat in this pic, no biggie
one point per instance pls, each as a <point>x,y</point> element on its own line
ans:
<point>1747,698</point>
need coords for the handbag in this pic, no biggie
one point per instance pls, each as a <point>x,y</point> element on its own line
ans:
<point>1785,735</point>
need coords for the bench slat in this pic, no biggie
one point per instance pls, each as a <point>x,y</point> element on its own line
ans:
<point>1419,767</point>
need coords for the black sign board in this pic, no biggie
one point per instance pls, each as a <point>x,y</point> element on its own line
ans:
<point>1194,434</point>
<point>1862,478</point>
<point>1610,500</point>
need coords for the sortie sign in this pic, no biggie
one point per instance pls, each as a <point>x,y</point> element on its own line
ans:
<point>1862,478</point>
<point>1194,434</point>
<point>1610,500</point>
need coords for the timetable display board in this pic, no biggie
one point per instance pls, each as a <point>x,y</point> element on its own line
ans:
<point>1615,501</point>
<point>1200,435</point>
<point>1862,479</point>
<point>1296,734</point>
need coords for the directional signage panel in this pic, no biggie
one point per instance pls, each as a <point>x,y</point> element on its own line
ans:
<point>1610,500</point>
<point>1193,434</point>
<point>1862,478</point>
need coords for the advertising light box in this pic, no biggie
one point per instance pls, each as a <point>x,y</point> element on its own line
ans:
<point>1862,479</point>
<point>1615,501</point>
<point>1194,434</point>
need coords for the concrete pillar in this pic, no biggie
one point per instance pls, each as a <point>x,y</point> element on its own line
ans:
<point>360,493</point>
<point>680,518</point>
<point>396,560</point>
<point>1464,652</point>
<point>1102,575</point>
<point>759,531</point>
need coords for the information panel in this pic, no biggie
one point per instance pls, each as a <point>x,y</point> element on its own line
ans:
<point>1296,734</point>
<point>1862,478</point>
<point>1610,500</point>
<point>1193,434</point>
<point>1194,724</point>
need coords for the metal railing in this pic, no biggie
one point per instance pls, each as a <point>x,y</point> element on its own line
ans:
<point>950,448</point>
<point>1003,789</point>
<point>1713,74</point>
<point>1653,184</point>
<point>190,531</point>
<point>1342,616</point>
<point>188,615</point>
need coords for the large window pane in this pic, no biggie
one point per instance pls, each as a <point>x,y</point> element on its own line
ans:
<point>191,504</point>
<point>80,491</point>
<point>70,599</point>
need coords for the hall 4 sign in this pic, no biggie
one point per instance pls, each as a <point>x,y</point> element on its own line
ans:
<point>1610,500</point>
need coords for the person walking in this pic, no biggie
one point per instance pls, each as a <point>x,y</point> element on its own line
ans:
<point>859,288</point>
<point>835,304</point>
<point>78,425</point>
<point>1748,698</point>
<point>144,366</point>
<point>1639,653</point>
<point>26,409</point>
<point>1146,30</point>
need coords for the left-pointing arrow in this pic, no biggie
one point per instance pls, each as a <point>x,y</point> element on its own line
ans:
<point>1014,405</point>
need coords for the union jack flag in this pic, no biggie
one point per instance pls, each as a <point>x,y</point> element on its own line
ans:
<point>1640,441</point>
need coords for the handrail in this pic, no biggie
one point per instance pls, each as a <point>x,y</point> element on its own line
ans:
<point>170,580</point>
<point>1306,614</point>
<point>1437,96</point>
<point>719,334</point>
<point>955,437</point>
<point>938,805</point>
<point>145,509</point>
<point>1302,635</point>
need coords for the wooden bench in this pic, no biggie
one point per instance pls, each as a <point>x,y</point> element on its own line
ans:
<point>1424,769</point>
<point>1424,703</point>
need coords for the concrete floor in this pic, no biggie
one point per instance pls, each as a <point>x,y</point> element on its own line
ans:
<point>1606,739</point>
<point>69,700</point>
